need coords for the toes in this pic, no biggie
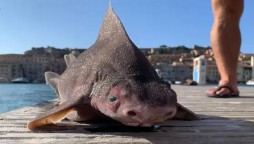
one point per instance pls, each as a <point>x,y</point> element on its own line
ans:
<point>222,91</point>
<point>211,91</point>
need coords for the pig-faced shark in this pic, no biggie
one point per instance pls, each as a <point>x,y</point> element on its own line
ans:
<point>111,79</point>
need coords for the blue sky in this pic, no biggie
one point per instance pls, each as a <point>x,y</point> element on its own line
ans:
<point>76,23</point>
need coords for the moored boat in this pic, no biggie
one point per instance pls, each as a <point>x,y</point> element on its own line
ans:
<point>20,80</point>
<point>250,82</point>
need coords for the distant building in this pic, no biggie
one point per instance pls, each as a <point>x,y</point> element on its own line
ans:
<point>181,71</point>
<point>252,67</point>
<point>199,70</point>
<point>247,71</point>
<point>5,71</point>
<point>212,74</point>
<point>165,71</point>
<point>33,64</point>
<point>174,72</point>
<point>171,63</point>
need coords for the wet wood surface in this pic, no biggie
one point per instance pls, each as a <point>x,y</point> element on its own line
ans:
<point>228,120</point>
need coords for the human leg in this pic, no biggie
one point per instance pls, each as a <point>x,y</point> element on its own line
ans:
<point>226,41</point>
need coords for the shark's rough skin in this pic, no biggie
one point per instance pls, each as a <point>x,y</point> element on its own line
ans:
<point>111,79</point>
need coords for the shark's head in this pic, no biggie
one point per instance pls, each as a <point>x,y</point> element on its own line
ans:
<point>135,103</point>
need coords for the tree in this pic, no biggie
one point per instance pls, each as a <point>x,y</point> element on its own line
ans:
<point>163,46</point>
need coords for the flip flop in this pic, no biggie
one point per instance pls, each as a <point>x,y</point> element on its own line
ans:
<point>231,93</point>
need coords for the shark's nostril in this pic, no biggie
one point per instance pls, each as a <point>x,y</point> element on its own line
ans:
<point>131,113</point>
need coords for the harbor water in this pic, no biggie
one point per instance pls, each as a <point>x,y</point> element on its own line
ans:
<point>14,96</point>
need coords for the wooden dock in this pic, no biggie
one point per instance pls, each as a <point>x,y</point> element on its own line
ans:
<point>223,121</point>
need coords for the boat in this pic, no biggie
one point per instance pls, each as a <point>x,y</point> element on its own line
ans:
<point>178,82</point>
<point>20,80</point>
<point>250,82</point>
<point>3,80</point>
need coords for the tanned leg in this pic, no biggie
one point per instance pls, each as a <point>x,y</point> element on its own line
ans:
<point>226,40</point>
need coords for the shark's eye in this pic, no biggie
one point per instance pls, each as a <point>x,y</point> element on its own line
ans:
<point>112,98</point>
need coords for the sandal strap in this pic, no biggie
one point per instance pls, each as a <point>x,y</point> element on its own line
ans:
<point>225,86</point>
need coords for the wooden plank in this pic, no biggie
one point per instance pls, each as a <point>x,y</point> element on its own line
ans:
<point>222,121</point>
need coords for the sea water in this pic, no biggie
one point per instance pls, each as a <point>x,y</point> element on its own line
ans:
<point>14,96</point>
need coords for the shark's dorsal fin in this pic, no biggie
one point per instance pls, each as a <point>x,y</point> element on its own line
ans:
<point>69,58</point>
<point>52,80</point>
<point>112,28</point>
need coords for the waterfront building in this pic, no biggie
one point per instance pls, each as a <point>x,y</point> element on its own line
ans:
<point>5,72</point>
<point>181,71</point>
<point>171,64</point>
<point>247,72</point>
<point>252,67</point>
<point>212,74</point>
<point>32,65</point>
<point>10,57</point>
<point>199,70</point>
<point>174,72</point>
<point>165,71</point>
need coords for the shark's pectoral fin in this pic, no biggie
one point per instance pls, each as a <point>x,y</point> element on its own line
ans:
<point>54,115</point>
<point>49,119</point>
<point>185,114</point>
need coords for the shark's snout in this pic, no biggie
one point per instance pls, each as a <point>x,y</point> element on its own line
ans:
<point>147,116</point>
